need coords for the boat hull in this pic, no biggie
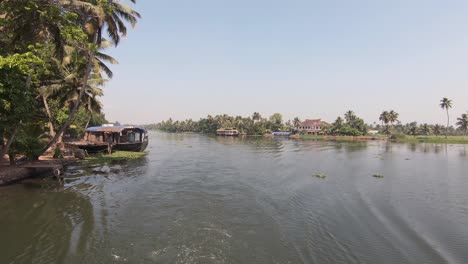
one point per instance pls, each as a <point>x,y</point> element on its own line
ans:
<point>97,148</point>
<point>137,147</point>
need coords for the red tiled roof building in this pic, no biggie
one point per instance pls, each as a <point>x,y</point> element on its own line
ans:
<point>312,126</point>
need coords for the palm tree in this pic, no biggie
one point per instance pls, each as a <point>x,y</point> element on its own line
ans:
<point>392,117</point>
<point>296,122</point>
<point>256,116</point>
<point>385,118</point>
<point>108,14</point>
<point>425,129</point>
<point>445,103</point>
<point>437,129</point>
<point>413,128</point>
<point>350,116</point>
<point>462,122</point>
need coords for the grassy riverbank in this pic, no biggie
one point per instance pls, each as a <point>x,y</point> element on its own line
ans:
<point>340,138</point>
<point>435,139</point>
<point>404,139</point>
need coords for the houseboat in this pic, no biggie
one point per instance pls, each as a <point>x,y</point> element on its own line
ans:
<point>228,131</point>
<point>99,139</point>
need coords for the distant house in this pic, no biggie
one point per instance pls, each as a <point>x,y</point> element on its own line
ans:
<point>311,126</point>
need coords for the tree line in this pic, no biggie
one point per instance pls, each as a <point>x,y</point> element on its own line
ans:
<point>53,66</point>
<point>391,125</point>
<point>258,125</point>
<point>348,125</point>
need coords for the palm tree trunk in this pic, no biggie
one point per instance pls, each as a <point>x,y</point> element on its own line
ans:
<point>49,123</point>
<point>10,141</point>
<point>448,123</point>
<point>76,105</point>
<point>89,119</point>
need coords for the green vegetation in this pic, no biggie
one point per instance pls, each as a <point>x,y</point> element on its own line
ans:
<point>377,176</point>
<point>320,175</point>
<point>255,125</point>
<point>350,126</point>
<point>342,138</point>
<point>115,157</point>
<point>387,117</point>
<point>53,68</point>
<point>462,123</point>
<point>434,139</point>
<point>445,103</point>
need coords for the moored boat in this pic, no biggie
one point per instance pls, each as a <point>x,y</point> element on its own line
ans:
<point>99,139</point>
<point>228,131</point>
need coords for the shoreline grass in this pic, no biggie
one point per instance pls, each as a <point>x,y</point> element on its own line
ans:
<point>434,139</point>
<point>341,138</point>
<point>406,139</point>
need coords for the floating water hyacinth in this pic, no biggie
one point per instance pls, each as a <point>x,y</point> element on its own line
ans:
<point>320,175</point>
<point>377,176</point>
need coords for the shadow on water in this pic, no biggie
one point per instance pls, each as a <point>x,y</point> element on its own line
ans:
<point>40,225</point>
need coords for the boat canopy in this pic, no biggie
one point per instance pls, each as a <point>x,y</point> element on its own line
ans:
<point>115,129</point>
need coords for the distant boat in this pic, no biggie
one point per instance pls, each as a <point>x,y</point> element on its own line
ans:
<point>127,138</point>
<point>228,131</point>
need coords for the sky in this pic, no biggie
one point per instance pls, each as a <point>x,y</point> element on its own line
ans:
<point>311,59</point>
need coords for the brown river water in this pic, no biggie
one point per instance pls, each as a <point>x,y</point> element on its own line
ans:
<point>201,199</point>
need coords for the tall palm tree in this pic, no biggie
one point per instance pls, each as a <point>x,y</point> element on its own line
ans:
<point>445,103</point>
<point>350,116</point>
<point>98,15</point>
<point>462,123</point>
<point>392,117</point>
<point>384,118</point>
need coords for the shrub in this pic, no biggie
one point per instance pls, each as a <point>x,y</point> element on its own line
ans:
<point>397,137</point>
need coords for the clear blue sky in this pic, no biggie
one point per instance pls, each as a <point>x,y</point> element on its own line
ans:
<point>312,59</point>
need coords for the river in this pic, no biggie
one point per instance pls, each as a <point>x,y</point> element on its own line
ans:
<point>201,199</point>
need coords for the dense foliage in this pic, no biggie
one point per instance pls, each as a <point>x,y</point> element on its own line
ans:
<point>255,125</point>
<point>52,68</point>
<point>349,125</point>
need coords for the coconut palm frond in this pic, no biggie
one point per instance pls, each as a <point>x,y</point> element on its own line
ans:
<point>106,58</point>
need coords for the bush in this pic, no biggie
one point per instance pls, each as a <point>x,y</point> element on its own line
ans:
<point>29,141</point>
<point>397,137</point>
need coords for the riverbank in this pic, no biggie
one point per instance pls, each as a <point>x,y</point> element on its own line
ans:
<point>339,138</point>
<point>15,173</point>
<point>434,139</point>
<point>45,165</point>
<point>397,139</point>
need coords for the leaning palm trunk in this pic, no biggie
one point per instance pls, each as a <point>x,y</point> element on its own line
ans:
<point>49,123</point>
<point>87,123</point>
<point>59,133</point>
<point>9,142</point>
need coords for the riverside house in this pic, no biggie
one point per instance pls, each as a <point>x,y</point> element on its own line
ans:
<point>311,126</point>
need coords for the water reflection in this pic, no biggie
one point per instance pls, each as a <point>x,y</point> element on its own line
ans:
<point>43,226</point>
